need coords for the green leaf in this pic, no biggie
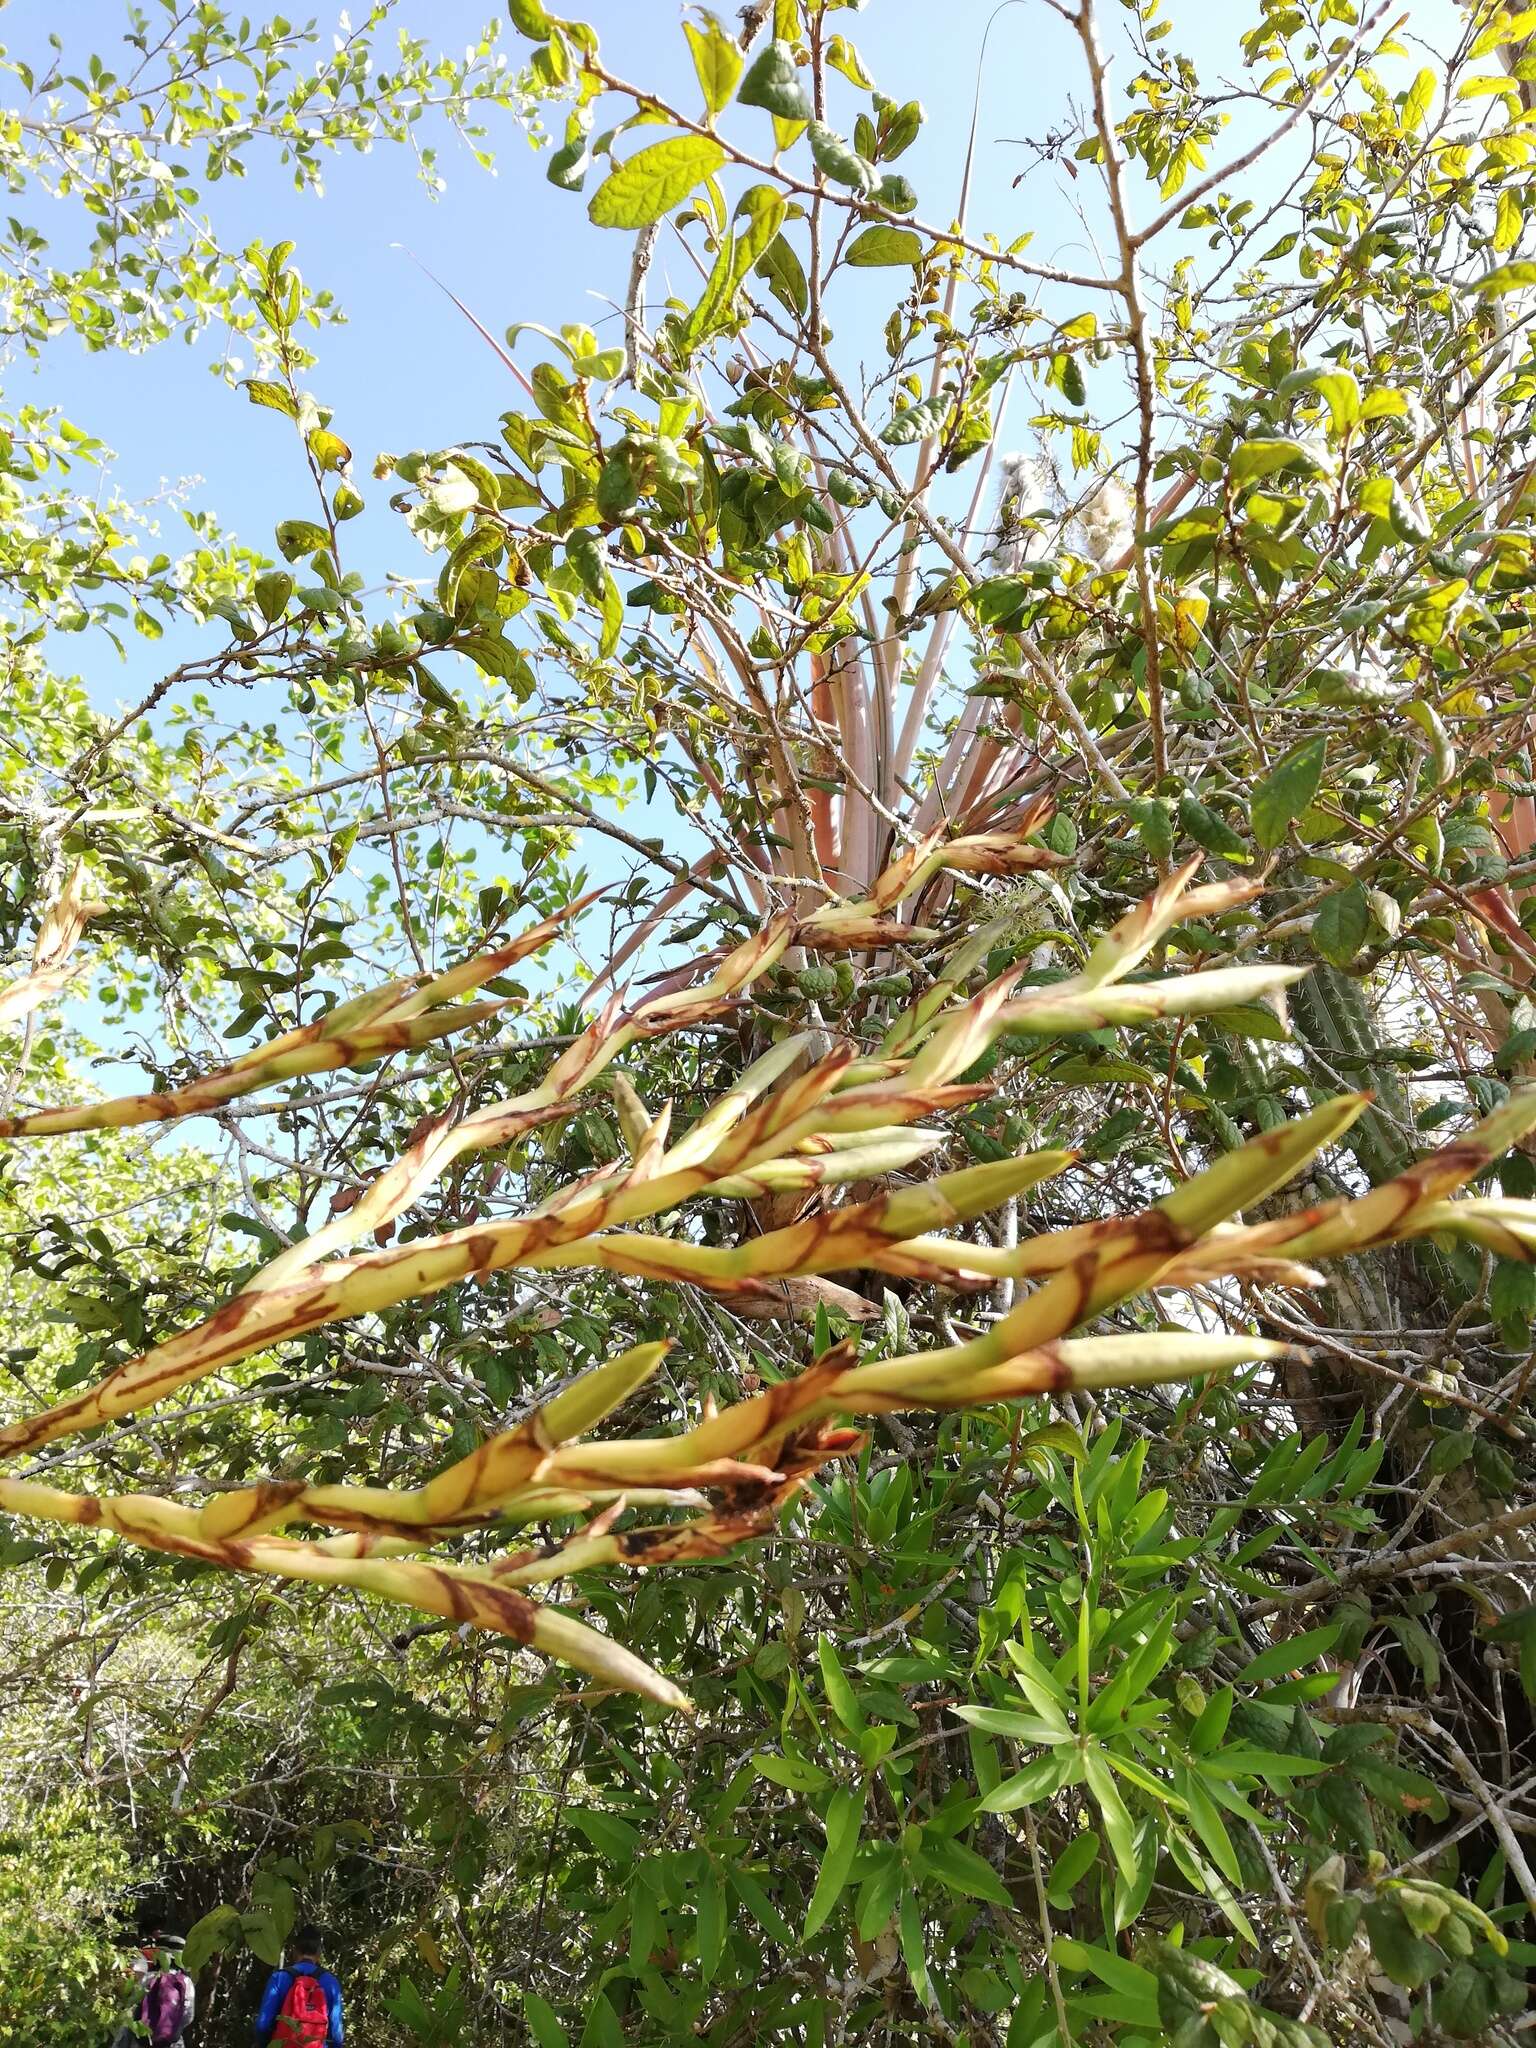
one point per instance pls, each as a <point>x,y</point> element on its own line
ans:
<point>1062,1438</point>
<point>883,1880</point>
<point>843,57</point>
<point>1021,1727</point>
<point>1510,277</point>
<point>1512,1300</point>
<point>613,616</point>
<point>843,1818</point>
<point>1071,1866</point>
<point>1209,831</point>
<point>1454,1447</point>
<point>913,1952</point>
<point>916,422</point>
<point>883,246</point>
<point>1419,1643</point>
<point>1240,1762</point>
<point>1384,403</point>
<point>762,1908</point>
<point>784,274</point>
<point>1129,1980</point>
<point>762,209</point>
<point>1254,459</point>
<point>1509,221</point>
<point>654,180</point>
<point>297,537</point>
<point>542,2020</point>
<point>1188,1986</point>
<point>1041,1687</point>
<point>1119,1831</point>
<point>962,1870</point>
<point>835,160</point>
<point>1154,826</point>
<point>1251,1020</point>
<point>710,1923</point>
<point>1418,100</point>
<point>794,1773</point>
<point>529,18</point>
<point>899,126</point>
<point>774,84</point>
<point>207,1936</point>
<point>1028,1787</point>
<point>1287,791</point>
<point>642,1915</point>
<point>1340,926</point>
<point>716,59</point>
<point>1212,1724</point>
<point>568,165</point>
<point>840,1694</point>
<point>1464,2002</point>
<point>280,399</point>
<point>328,449</point>
<point>1001,598</point>
<point>1205,1818</point>
<point>1290,1655</point>
<point>263,1937</point>
<point>273,588</point>
<point>478,545</point>
<point>1341,393</point>
<point>615,1838</point>
<point>492,655</point>
<point>1405,1956</point>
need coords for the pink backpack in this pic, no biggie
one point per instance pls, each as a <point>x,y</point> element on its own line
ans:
<point>164,2010</point>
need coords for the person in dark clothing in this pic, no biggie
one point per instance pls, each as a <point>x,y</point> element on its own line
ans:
<point>301,2006</point>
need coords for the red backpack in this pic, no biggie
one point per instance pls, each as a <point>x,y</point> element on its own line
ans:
<point>305,2018</point>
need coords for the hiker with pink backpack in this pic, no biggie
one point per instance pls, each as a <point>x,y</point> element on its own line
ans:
<point>301,2007</point>
<point>169,2001</point>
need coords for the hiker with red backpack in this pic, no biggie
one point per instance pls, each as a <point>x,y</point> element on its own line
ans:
<point>301,2007</point>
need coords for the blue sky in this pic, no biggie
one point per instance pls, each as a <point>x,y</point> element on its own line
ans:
<point>407,371</point>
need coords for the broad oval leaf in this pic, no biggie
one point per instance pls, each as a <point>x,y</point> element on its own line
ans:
<point>1254,459</point>
<point>716,59</point>
<point>1288,790</point>
<point>774,84</point>
<point>654,180</point>
<point>884,246</point>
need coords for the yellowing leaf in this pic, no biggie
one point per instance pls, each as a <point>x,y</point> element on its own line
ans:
<point>654,181</point>
<point>884,245</point>
<point>716,59</point>
<point>1510,220</point>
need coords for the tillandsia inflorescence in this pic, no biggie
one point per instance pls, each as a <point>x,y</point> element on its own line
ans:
<point>57,937</point>
<point>792,1120</point>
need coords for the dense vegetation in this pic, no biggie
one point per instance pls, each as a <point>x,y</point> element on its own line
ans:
<point>812,1320</point>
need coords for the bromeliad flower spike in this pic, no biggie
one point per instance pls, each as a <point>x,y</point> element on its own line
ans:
<point>800,1117</point>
